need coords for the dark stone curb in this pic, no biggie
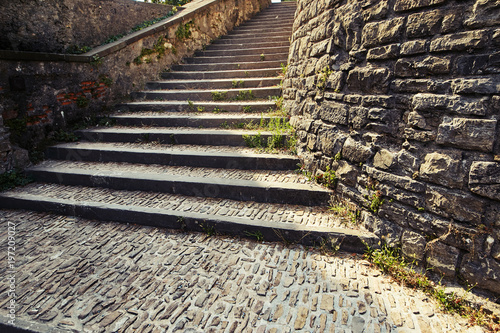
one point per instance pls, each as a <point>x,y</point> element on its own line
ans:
<point>347,239</point>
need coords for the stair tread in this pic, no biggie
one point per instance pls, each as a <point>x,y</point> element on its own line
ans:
<point>244,179</point>
<point>177,91</point>
<point>282,216</point>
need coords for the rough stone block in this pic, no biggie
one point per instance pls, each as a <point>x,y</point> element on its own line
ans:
<point>331,140</point>
<point>467,133</point>
<point>417,135</point>
<point>443,168</point>
<point>403,196</point>
<point>496,37</point>
<point>383,159</point>
<point>452,21</point>
<point>407,161</point>
<point>485,272</point>
<point>377,12</point>
<point>416,120</point>
<point>442,258</point>
<point>388,232</point>
<point>475,86</point>
<point>336,81</point>
<point>413,47</point>
<point>420,86</point>
<point>452,104</point>
<point>383,52</point>
<point>346,173</point>
<point>402,5</point>
<point>379,101</point>
<point>369,80</point>
<point>457,205</point>
<point>460,41</point>
<point>358,117</point>
<point>383,32</point>
<point>355,151</point>
<point>334,112</point>
<point>484,179</point>
<point>405,183</point>
<point>319,48</point>
<point>484,14</point>
<point>424,24</point>
<point>413,245</point>
<point>478,64</point>
<point>428,66</point>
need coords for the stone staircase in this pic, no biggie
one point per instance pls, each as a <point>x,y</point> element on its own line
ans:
<point>176,156</point>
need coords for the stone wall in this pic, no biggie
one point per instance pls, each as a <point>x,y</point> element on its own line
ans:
<point>56,25</point>
<point>51,92</point>
<point>402,99</point>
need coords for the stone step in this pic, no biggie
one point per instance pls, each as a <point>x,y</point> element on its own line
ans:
<point>178,155</point>
<point>285,35</point>
<point>165,135</point>
<point>197,120</point>
<point>305,225</point>
<point>224,74</point>
<point>259,64</point>
<point>267,22</point>
<point>209,95</point>
<point>214,84</point>
<point>242,185</point>
<point>280,57</point>
<point>254,50</point>
<point>246,39</point>
<point>201,106</point>
<point>245,46</point>
<point>257,30</point>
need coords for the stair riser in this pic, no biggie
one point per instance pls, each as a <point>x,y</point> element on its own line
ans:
<point>205,96</point>
<point>231,53</point>
<point>190,221</point>
<point>231,47</point>
<point>256,35</point>
<point>228,84</point>
<point>151,157</point>
<point>184,107</point>
<point>238,32</point>
<point>267,22</point>
<point>212,122</point>
<point>222,139</point>
<point>279,57</point>
<point>187,187</point>
<point>237,74</point>
<point>225,67</point>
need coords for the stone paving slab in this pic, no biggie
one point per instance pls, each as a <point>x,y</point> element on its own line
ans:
<point>77,275</point>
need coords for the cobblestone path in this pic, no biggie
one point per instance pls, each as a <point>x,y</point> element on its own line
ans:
<point>79,275</point>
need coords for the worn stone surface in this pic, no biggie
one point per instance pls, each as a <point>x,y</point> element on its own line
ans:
<point>467,133</point>
<point>382,32</point>
<point>413,245</point>
<point>87,279</point>
<point>484,179</point>
<point>56,26</point>
<point>444,168</point>
<point>442,258</point>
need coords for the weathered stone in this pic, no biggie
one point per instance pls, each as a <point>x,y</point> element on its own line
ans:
<point>334,112</point>
<point>430,65</point>
<point>408,161</point>
<point>485,272</point>
<point>358,117</point>
<point>358,324</point>
<point>424,24</point>
<point>420,86</point>
<point>355,151</point>
<point>335,81</point>
<point>346,173</point>
<point>442,258</point>
<point>458,205</point>
<point>383,159</point>
<point>460,41</point>
<point>422,136</point>
<point>467,133</point>
<point>383,52</point>
<point>383,32</point>
<point>456,104</point>
<point>475,86</point>
<point>369,80</point>
<point>327,303</point>
<point>377,12</point>
<point>452,21</point>
<point>417,120</point>
<point>402,5</point>
<point>484,179</point>
<point>398,181</point>
<point>478,64</point>
<point>413,47</point>
<point>444,168</point>
<point>388,232</point>
<point>484,14</point>
<point>379,101</point>
<point>413,245</point>
<point>302,314</point>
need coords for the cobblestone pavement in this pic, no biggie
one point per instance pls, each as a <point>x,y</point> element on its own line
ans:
<point>86,276</point>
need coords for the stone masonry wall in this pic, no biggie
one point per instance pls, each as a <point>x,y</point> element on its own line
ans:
<point>56,25</point>
<point>38,98</point>
<point>402,100</point>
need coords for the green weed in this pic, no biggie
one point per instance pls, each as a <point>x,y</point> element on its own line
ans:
<point>13,178</point>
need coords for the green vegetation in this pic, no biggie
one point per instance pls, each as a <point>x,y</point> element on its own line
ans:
<point>247,109</point>
<point>106,80</point>
<point>13,178</point>
<point>391,262</point>
<point>280,137</point>
<point>327,178</point>
<point>262,57</point>
<point>64,136</point>
<point>376,201</point>
<point>184,31</point>
<point>345,211</point>
<point>284,68</point>
<point>219,95</point>
<point>82,101</point>
<point>238,84</point>
<point>75,49</point>
<point>323,76</point>
<point>244,95</point>
<point>257,234</point>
